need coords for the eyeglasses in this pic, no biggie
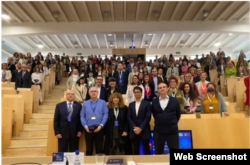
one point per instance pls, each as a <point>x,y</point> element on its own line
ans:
<point>93,91</point>
<point>99,79</point>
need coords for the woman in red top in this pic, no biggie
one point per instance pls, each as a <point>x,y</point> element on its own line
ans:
<point>184,67</point>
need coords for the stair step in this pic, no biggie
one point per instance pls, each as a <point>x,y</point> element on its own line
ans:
<point>51,103</point>
<point>40,121</point>
<point>28,142</point>
<point>42,115</point>
<point>28,138</point>
<point>46,100</point>
<point>31,127</point>
<point>46,111</point>
<point>26,151</point>
<point>31,134</point>
<point>46,107</point>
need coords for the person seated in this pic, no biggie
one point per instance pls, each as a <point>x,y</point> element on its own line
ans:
<point>213,101</point>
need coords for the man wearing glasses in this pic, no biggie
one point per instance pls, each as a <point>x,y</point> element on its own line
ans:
<point>102,91</point>
<point>94,115</point>
<point>139,116</point>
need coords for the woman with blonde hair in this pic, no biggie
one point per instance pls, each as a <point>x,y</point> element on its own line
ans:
<point>116,128</point>
<point>6,74</point>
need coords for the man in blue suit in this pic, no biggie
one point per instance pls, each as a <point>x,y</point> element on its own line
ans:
<point>167,113</point>
<point>67,124</point>
<point>139,116</point>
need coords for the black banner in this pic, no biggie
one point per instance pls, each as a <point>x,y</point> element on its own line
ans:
<point>241,156</point>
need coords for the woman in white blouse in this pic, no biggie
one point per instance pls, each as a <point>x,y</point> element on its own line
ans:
<point>80,90</point>
<point>46,70</point>
<point>129,94</point>
<point>6,74</point>
<point>37,79</point>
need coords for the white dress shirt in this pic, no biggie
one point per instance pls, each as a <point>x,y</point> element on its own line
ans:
<point>137,106</point>
<point>164,102</point>
<point>99,92</point>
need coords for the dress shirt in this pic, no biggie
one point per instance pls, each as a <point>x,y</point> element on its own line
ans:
<point>155,82</point>
<point>99,92</point>
<point>164,102</point>
<point>71,106</point>
<point>37,76</point>
<point>137,106</point>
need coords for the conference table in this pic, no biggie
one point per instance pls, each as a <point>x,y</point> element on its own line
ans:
<point>90,160</point>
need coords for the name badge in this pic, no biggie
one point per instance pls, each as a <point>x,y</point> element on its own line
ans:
<point>120,81</point>
<point>69,119</point>
<point>211,107</point>
<point>116,123</point>
<point>147,97</point>
<point>93,117</point>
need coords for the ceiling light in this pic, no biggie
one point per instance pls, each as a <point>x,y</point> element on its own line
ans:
<point>146,43</point>
<point>150,34</point>
<point>182,43</point>
<point>156,14</point>
<point>75,44</point>
<point>217,44</point>
<point>5,16</point>
<point>39,45</point>
<point>109,35</point>
<point>106,14</point>
<point>230,34</point>
<point>111,44</point>
<point>56,14</point>
<point>205,13</point>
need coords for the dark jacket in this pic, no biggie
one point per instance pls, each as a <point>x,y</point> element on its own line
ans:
<point>142,120</point>
<point>61,124</point>
<point>103,94</point>
<point>166,121</point>
<point>25,81</point>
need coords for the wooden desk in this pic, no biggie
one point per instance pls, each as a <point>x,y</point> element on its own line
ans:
<point>240,94</point>
<point>7,114</point>
<point>231,88</point>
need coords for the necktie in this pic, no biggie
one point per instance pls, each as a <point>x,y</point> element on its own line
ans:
<point>23,74</point>
<point>70,110</point>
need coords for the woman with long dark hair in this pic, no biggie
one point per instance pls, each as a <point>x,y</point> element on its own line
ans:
<point>116,128</point>
<point>80,90</point>
<point>190,104</point>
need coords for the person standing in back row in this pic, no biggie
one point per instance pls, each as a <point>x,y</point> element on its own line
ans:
<point>67,124</point>
<point>166,111</point>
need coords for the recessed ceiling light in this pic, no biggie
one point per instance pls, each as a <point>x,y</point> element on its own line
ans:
<point>5,16</point>
<point>217,44</point>
<point>111,44</point>
<point>39,45</point>
<point>230,34</point>
<point>109,35</point>
<point>150,34</point>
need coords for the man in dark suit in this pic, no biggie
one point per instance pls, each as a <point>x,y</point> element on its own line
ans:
<point>23,79</point>
<point>155,81</point>
<point>161,75</point>
<point>15,72</point>
<point>67,124</point>
<point>11,66</point>
<point>91,67</point>
<point>102,91</point>
<point>139,116</point>
<point>167,113</point>
<point>121,78</point>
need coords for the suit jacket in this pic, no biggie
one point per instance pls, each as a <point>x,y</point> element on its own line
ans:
<point>14,76</point>
<point>219,69</point>
<point>103,94</point>
<point>151,81</point>
<point>25,81</point>
<point>176,72</point>
<point>142,120</point>
<point>116,76</point>
<point>11,67</point>
<point>61,124</point>
<point>166,120</point>
<point>164,79</point>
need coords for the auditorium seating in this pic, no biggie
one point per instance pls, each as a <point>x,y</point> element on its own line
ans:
<point>32,130</point>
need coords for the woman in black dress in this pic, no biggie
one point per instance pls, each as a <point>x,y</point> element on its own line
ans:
<point>116,128</point>
<point>112,87</point>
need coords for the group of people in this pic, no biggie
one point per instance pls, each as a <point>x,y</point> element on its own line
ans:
<point>100,88</point>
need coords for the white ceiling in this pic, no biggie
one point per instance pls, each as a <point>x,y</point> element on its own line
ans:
<point>88,23</point>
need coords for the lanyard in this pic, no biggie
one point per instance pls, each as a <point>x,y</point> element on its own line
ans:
<point>116,112</point>
<point>93,106</point>
<point>120,75</point>
<point>209,98</point>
